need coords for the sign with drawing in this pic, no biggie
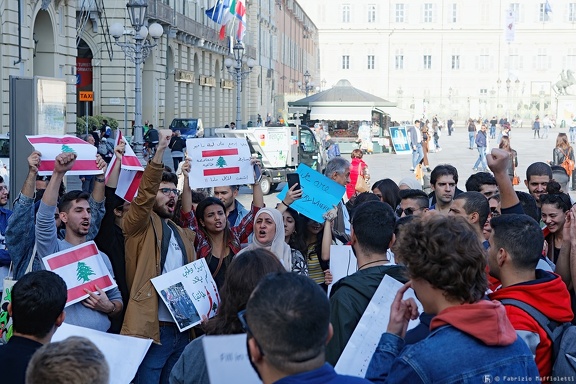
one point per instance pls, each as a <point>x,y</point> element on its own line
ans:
<point>189,292</point>
<point>217,162</point>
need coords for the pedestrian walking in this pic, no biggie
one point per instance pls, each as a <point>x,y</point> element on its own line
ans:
<point>536,127</point>
<point>481,143</point>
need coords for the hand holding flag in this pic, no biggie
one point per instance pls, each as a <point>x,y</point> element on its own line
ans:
<point>64,162</point>
<point>130,169</point>
<point>98,301</point>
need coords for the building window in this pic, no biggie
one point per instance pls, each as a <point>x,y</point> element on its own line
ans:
<point>399,62</point>
<point>453,16</point>
<point>455,61</point>
<point>427,61</point>
<point>543,14</point>
<point>370,61</point>
<point>515,8</point>
<point>572,12</point>
<point>371,13</point>
<point>400,13</point>
<point>541,60</point>
<point>428,7</point>
<point>345,13</point>
<point>345,62</point>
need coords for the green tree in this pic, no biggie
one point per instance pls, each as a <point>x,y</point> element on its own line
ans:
<point>221,162</point>
<point>83,272</point>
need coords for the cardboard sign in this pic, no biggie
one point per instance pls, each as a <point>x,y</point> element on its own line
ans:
<point>51,146</point>
<point>319,194</point>
<point>189,292</point>
<point>227,359</point>
<point>81,267</point>
<point>123,353</point>
<point>342,263</point>
<point>217,162</point>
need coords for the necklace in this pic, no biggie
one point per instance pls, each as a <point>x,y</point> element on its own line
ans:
<point>372,262</point>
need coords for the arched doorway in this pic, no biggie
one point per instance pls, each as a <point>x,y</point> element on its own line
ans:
<point>170,85</point>
<point>44,48</point>
<point>84,78</point>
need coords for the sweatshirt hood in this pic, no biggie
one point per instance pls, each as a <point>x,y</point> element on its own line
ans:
<point>547,293</point>
<point>484,320</point>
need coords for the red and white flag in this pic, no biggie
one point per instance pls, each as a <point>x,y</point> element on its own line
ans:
<point>130,171</point>
<point>81,267</point>
<point>51,146</point>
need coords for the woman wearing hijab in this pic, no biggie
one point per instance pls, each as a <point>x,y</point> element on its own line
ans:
<point>269,234</point>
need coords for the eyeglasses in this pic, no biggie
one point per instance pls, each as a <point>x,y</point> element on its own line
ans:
<point>167,191</point>
<point>246,328</point>
<point>408,211</point>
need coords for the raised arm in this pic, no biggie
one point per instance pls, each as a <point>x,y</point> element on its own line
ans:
<point>98,191</point>
<point>498,163</point>
<point>114,174</point>
<point>257,195</point>
<point>29,187</point>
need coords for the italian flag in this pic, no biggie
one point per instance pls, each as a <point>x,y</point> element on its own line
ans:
<point>51,146</point>
<point>131,171</point>
<point>81,267</point>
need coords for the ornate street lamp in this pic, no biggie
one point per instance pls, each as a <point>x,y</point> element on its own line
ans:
<point>235,69</point>
<point>137,52</point>
<point>308,85</point>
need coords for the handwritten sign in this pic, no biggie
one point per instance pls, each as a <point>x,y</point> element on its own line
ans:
<point>342,263</point>
<point>217,162</point>
<point>123,353</point>
<point>356,356</point>
<point>227,359</point>
<point>189,292</point>
<point>319,194</point>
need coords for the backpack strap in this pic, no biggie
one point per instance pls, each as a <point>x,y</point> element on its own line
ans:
<point>540,318</point>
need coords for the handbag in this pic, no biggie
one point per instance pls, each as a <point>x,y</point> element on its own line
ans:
<point>361,184</point>
<point>8,283</point>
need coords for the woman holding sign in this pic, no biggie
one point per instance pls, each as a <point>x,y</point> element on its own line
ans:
<point>215,240</point>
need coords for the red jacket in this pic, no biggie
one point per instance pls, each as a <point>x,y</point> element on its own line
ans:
<point>549,295</point>
<point>351,186</point>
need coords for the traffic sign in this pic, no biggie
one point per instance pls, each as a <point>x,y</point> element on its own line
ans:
<point>86,96</point>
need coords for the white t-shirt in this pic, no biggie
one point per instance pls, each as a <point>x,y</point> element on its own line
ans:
<point>173,261</point>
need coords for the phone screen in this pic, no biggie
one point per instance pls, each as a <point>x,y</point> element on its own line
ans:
<point>257,173</point>
<point>293,178</point>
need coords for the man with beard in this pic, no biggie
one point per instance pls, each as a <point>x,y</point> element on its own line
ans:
<point>154,246</point>
<point>371,236</point>
<point>235,211</point>
<point>538,175</point>
<point>75,213</point>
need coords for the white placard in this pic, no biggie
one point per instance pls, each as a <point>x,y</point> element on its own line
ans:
<point>356,356</point>
<point>227,359</point>
<point>218,162</point>
<point>342,263</point>
<point>123,353</point>
<point>189,292</point>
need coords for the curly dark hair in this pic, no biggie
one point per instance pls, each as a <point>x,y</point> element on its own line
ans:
<point>444,251</point>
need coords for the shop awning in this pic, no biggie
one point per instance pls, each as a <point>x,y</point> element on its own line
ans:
<point>398,114</point>
<point>341,113</point>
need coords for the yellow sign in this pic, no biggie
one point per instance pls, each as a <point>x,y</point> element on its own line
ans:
<point>86,96</point>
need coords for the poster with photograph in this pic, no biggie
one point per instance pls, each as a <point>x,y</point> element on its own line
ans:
<point>189,292</point>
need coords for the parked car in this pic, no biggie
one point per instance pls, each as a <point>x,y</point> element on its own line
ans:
<point>188,127</point>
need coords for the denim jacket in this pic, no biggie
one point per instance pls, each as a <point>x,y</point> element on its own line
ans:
<point>20,235</point>
<point>449,355</point>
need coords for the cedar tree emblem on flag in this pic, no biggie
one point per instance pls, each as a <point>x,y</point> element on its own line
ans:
<point>221,162</point>
<point>83,272</point>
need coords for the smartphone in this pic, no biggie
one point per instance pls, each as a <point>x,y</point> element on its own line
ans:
<point>257,173</point>
<point>293,178</point>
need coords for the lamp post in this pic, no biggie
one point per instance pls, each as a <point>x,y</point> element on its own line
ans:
<point>508,82</point>
<point>235,69</point>
<point>137,52</point>
<point>308,85</point>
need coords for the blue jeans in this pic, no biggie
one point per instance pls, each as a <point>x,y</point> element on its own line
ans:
<point>417,155</point>
<point>160,359</point>
<point>492,131</point>
<point>481,158</point>
<point>471,136</point>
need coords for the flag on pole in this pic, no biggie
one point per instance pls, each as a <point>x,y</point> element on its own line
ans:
<point>509,29</point>
<point>51,146</point>
<point>547,8</point>
<point>217,12</point>
<point>130,171</point>
<point>241,15</point>
<point>81,267</point>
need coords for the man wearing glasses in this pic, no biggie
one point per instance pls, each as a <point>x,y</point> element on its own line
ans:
<point>154,245</point>
<point>413,202</point>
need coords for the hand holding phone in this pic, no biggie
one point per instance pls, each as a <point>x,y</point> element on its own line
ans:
<point>293,178</point>
<point>257,173</point>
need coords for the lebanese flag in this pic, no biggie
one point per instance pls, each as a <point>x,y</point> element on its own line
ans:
<point>81,267</point>
<point>130,171</point>
<point>51,146</point>
<point>221,168</point>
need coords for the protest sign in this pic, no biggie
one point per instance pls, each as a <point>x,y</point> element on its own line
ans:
<point>227,359</point>
<point>51,146</point>
<point>189,292</point>
<point>342,263</point>
<point>218,162</point>
<point>400,140</point>
<point>356,356</point>
<point>123,353</point>
<point>81,267</point>
<point>319,193</point>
